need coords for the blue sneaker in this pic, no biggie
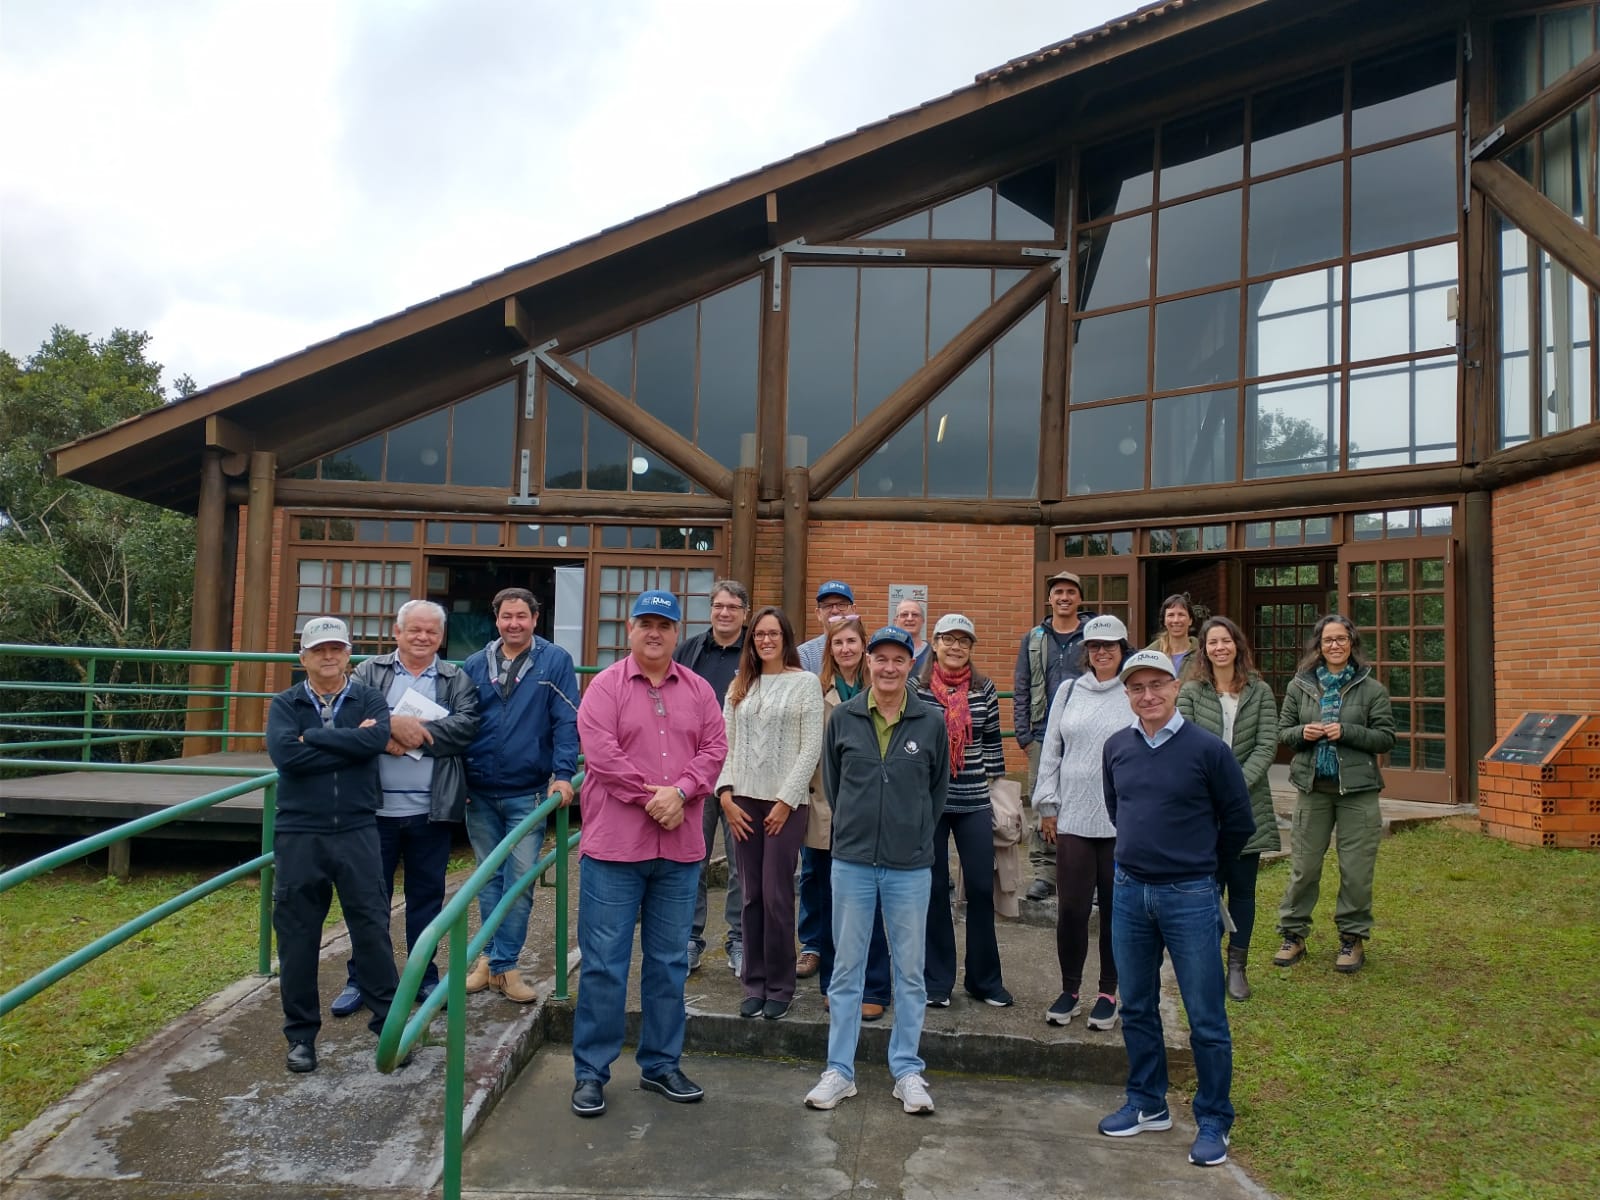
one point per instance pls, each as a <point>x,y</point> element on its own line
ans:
<point>1210,1147</point>
<point>1131,1119</point>
<point>347,1001</point>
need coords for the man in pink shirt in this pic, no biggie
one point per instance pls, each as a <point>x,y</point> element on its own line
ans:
<point>653,744</point>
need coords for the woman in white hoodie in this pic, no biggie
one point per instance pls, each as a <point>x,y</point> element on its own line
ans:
<point>1070,800</point>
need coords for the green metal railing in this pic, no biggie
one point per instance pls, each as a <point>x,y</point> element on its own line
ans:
<point>250,780</point>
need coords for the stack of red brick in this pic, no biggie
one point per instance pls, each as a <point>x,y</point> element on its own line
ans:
<point>1553,803</point>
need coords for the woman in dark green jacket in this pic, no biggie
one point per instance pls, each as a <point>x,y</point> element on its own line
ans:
<point>1224,695</point>
<point>1337,718</point>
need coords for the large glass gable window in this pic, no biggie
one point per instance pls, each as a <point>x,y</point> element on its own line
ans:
<point>1021,207</point>
<point>1268,288</point>
<point>469,444</point>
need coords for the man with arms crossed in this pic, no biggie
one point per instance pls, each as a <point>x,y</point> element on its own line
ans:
<point>1178,799</point>
<point>653,745</point>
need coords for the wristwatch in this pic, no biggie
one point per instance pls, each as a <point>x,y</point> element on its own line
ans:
<point>684,794</point>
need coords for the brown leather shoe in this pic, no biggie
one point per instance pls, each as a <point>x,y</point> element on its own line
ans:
<point>478,977</point>
<point>807,965</point>
<point>871,1012</point>
<point>512,986</point>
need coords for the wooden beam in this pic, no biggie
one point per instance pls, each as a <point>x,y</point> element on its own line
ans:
<point>1478,562</point>
<point>1566,241</point>
<point>796,522</point>
<point>772,387</point>
<point>252,676</point>
<point>742,560</point>
<point>773,237</point>
<point>206,628</point>
<point>831,468</point>
<point>223,434</point>
<point>1541,456</point>
<point>518,321</point>
<point>432,501</point>
<point>602,398</point>
<point>1551,104</point>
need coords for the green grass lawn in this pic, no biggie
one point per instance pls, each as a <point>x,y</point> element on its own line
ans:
<point>1463,1061</point>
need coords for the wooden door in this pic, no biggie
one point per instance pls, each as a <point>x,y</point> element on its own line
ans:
<point>1108,587</point>
<point>1401,596</point>
<point>1284,602</point>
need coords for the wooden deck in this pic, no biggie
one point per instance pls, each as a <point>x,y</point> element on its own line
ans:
<point>73,802</point>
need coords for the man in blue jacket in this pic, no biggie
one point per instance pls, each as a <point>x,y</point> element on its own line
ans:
<point>325,736</point>
<point>1178,799</point>
<point>526,749</point>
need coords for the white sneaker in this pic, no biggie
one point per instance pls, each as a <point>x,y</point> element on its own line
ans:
<point>831,1088</point>
<point>912,1092</point>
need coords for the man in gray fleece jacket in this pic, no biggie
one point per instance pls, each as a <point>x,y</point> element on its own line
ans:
<point>885,769</point>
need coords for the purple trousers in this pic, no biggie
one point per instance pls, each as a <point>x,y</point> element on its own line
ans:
<point>766,875</point>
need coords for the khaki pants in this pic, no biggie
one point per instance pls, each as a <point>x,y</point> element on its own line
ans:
<point>1360,828</point>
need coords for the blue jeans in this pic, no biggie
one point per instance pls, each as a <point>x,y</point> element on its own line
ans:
<point>1185,919</point>
<point>811,913</point>
<point>488,821</point>
<point>821,886</point>
<point>658,896</point>
<point>857,892</point>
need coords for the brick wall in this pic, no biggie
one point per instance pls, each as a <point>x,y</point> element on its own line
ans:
<point>1546,587</point>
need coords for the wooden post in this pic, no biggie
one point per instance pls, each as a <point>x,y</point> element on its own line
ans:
<point>206,618</point>
<point>772,396</point>
<point>796,516</point>
<point>1478,545</point>
<point>1480,297</point>
<point>252,676</point>
<point>1569,243</point>
<point>742,564</point>
<point>1053,414</point>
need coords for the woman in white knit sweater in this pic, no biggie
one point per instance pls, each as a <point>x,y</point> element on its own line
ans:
<point>774,719</point>
<point>1070,800</point>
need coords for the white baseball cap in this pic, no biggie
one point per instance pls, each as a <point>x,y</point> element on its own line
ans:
<point>1147,660</point>
<point>319,630</point>
<point>1105,629</point>
<point>955,623</point>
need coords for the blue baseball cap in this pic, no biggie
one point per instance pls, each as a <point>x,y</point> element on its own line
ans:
<point>893,633</point>
<point>836,587</point>
<point>657,603</point>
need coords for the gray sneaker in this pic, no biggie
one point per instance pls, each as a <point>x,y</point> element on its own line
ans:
<point>736,959</point>
<point>695,951</point>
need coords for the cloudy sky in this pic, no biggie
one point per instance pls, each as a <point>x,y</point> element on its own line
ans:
<point>242,178</point>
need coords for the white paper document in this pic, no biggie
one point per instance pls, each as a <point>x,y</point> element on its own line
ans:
<point>415,704</point>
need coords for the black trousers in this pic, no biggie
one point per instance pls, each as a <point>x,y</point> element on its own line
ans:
<point>974,835</point>
<point>309,867</point>
<point>423,847</point>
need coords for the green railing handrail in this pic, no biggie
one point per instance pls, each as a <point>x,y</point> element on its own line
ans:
<point>266,781</point>
<point>402,1029</point>
<point>136,654</point>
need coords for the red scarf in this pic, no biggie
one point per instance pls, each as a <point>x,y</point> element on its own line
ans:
<point>950,688</point>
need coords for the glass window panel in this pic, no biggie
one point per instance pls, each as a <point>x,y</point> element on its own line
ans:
<point>1364,577</point>
<point>1192,439</point>
<point>1398,523</point>
<point>610,463</point>
<point>664,368</point>
<point>417,450</point>
<point>822,330</point>
<point>643,537</point>
<point>1308,575</point>
<point>488,535</point>
<point>612,362</point>
<point>1403,414</point>
<point>969,216</point>
<point>1402,94</point>
<point>363,461</point>
<point>1297,219</point>
<point>309,599</point>
<point>313,530</point>
<point>1433,753</point>
<point>1400,755</point>
<point>1402,717</point>
<point>1401,303</point>
<point>650,473</point>
<point>730,346</point>
<point>1432,645</point>
<point>1115,178</point>
<point>955,296</point>
<point>914,227</point>
<point>1516,64</point>
<point>1438,520</point>
<point>1564,381</point>
<point>1018,375</point>
<point>1285,576</point>
<point>893,332</point>
<point>1214,537</point>
<point>483,438</point>
<point>1406,193</point>
<point>1106,449</point>
<point>1202,152</point>
<point>311,571</point>
<point>1514,384</point>
<point>1198,243</point>
<point>1430,610</point>
<point>1364,610</point>
<point>895,468</point>
<point>1432,680</point>
<point>1430,573</point>
<point>1396,645</point>
<point>1319,531</point>
<point>639,579</point>
<point>528,535</point>
<point>958,432</point>
<point>304,470</point>
<point>1109,356</point>
<point>1568,39</point>
<point>1292,428</point>
<point>1114,263</point>
<point>1121,543</point>
<point>1395,574</point>
<point>1398,680</point>
<point>1433,718</point>
<point>1197,340</point>
<point>1397,610</point>
<point>1294,323</point>
<point>1025,204</point>
<point>1297,123</point>
<point>369,531</point>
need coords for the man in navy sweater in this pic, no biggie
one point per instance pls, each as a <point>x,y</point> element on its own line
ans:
<point>1182,811</point>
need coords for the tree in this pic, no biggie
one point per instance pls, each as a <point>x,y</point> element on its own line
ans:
<point>79,566</point>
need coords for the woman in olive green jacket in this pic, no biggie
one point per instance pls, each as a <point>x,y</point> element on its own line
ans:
<point>1176,639</point>
<point>1224,695</point>
<point>1337,718</point>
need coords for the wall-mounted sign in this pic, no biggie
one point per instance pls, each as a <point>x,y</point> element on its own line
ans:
<point>906,591</point>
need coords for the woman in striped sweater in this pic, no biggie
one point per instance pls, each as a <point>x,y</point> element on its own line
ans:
<point>972,717</point>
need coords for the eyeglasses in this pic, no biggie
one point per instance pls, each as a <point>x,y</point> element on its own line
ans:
<point>655,695</point>
<point>767,635</point>
<point>1335,641</point>
<point>1148,689</point>
<point>1101,647</point>
<point>735,607</point>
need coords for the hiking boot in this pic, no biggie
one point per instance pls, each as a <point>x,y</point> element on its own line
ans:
<point>512,986</point>
<point>1291,952</point>
<point>478,977</point>
<point>1351,957</point>
<point>1063,1010</point>
<point>831,1088</point>
<point>1104,1013</point>
<point>1238,985</point>
<point>912,1092</point>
